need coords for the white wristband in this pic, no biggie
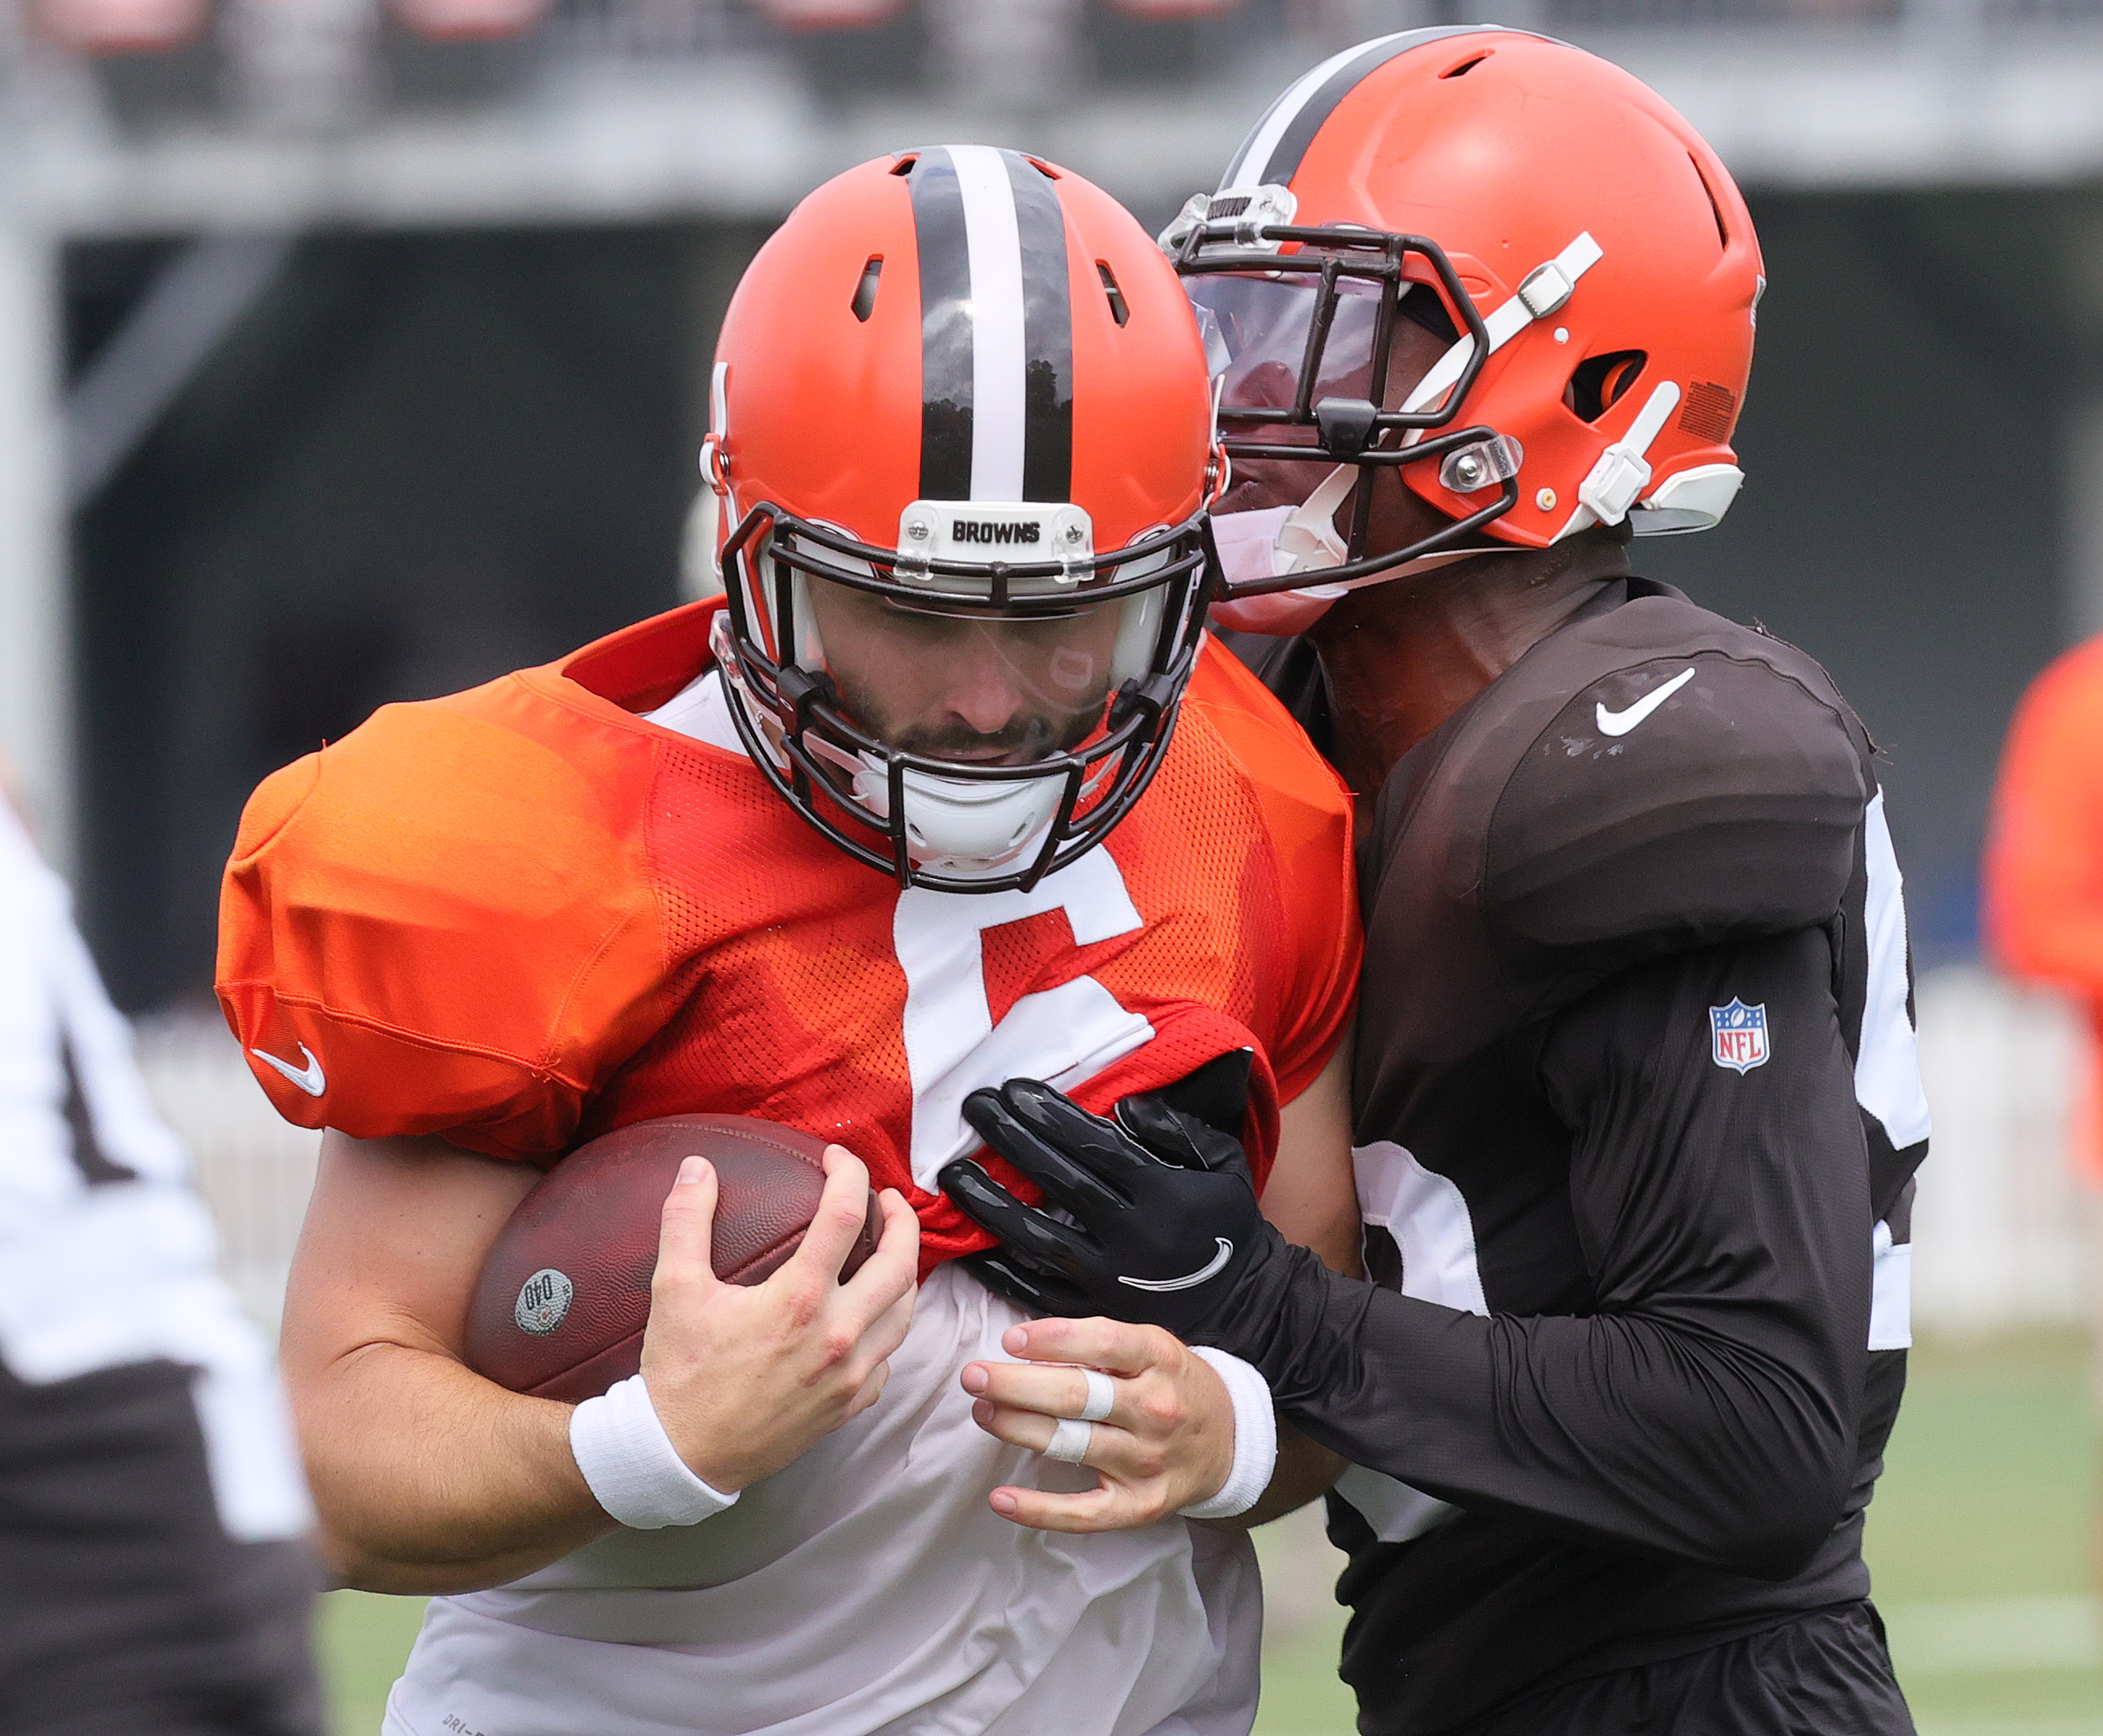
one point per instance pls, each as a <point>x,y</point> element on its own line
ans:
<point>631,1464</point>
<point>1256,1438</point>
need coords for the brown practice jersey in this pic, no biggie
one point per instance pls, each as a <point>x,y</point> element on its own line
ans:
<point>1637,1113</point>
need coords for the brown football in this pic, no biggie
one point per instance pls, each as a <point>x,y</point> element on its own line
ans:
<point>565,1292</point>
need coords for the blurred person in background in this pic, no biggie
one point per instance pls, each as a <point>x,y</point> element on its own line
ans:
<point>2042,885</point>
<point>1637,1105</point>
<point>154,1577</point>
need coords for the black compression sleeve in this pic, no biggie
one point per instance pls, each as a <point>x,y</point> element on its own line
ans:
<point>1706,1409</point>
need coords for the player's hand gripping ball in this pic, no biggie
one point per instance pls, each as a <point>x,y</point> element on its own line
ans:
<point>565,1292</point>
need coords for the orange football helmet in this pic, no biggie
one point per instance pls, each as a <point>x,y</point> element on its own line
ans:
<point>960,416</point>
<point>1584,254</point>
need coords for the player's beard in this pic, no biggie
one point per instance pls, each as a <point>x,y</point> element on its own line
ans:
<point>1023,741</point>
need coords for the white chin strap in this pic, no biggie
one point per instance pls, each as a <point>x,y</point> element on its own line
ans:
<point>1541,292</point>
<point>1307,540</point>
<point>1273,541</point>
<point>1622,472</point>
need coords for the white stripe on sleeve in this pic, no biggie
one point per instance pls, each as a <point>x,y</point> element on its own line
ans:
<point>1887,1056</point>
<point>1890,1291</point>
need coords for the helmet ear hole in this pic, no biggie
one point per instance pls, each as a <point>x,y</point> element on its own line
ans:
<point>1599,382</point>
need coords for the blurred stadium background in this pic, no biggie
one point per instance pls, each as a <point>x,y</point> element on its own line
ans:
<point>353,350</point>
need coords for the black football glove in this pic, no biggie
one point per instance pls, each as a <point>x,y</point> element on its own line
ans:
<point>1166,1218</point>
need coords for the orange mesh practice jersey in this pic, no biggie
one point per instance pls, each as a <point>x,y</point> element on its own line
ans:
<point>523,915</point>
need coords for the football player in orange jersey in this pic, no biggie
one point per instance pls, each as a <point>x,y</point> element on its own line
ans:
<point>949,787</point>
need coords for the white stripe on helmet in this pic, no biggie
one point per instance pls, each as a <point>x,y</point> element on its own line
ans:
<point>999,358</point>
<point>1250,166</point>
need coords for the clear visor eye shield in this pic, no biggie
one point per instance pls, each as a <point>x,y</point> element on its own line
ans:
<point>1094,648</point>
<point>1299,344</point>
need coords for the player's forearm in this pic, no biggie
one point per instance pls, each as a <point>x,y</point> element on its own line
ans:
<point>1703,1404</point>
<point>1642,1432</point>
<point>1311,1195</point>
<point>430,1480</point>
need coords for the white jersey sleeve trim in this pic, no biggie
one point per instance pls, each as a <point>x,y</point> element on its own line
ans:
<point>1395,1511</point>
<point>1890,1291</point>
<point>1888,1058</point>
<point>1428,1216</point>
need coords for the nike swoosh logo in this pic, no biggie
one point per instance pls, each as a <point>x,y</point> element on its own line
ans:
<point>309,1078</point>
<point>1189,1280</point>
<point>1620,722</point>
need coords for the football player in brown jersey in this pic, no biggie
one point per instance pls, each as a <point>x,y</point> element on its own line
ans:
<point>1637,1105</point>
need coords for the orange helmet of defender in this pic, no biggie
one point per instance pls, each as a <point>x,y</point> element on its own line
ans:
<point>1584,254</point>
<point>962,434</point>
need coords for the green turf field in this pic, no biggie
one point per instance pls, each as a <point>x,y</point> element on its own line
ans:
<point>1979,1541</point>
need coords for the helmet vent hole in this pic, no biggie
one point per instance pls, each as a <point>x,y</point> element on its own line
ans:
<point>1599,382</point>
<point>905,164</point>
<point>1466,66</point>
<point>1715,210</point>
<point>864,294</point>
<point>1119,311</point>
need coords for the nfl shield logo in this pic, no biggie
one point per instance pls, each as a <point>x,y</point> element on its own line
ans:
<point>1740,1034</point>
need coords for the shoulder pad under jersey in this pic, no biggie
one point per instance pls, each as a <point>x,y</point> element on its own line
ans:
<point>1299,791</point>
<point>445,922</point>
<point>1680,782</point>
